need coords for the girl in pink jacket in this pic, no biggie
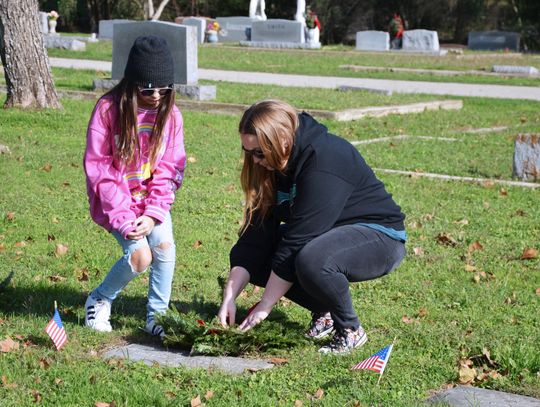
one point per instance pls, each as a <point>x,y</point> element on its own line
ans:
<point>134,163</point>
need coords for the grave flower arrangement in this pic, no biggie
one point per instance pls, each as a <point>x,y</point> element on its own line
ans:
<point>312,21</point>
<point>213,26</point>
<point>205,336</point>
<point>53,15</point>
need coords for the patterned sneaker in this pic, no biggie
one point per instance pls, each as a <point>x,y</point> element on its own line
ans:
<point>321,325</point>
<point>345,341</point>
<point>98,312</point>
<point>154,329</point>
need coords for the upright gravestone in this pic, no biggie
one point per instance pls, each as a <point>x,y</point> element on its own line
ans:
<point>106,27</point>
<point>43,22</point>
<point>493,40</point>
<point>420,40</point>
<point>233,29</point>
<point>277,31</point>
<point>182,40</point>
<point>199,23</point>
<point>527,157</point>
<point>372,41</point>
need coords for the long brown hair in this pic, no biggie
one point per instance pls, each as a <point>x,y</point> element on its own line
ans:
<point>274,123</point>
<point>125,98</point>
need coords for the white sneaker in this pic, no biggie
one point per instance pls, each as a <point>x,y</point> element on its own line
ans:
<point>98,312</point>
<point>154,329</point>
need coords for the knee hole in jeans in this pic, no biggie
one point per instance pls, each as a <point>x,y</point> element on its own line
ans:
<point>140,260</point>
<point>165,251</point>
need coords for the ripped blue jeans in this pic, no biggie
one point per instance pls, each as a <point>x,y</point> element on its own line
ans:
<point>161,268</point>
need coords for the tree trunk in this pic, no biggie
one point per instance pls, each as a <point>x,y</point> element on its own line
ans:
<point>24,57</point>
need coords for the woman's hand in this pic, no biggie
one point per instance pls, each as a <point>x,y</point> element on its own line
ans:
<point>143,227</point>
<point>255,317</point>
<point>227,313</point>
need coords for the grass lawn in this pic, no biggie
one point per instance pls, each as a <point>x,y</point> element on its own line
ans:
<point>462,293</point>
<point>327,62</point>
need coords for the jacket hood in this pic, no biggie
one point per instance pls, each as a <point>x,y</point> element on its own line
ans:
<point>308,131</point>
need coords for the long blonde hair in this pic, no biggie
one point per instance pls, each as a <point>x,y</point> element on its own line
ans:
<point>274,123</point>
<point>125,97</point>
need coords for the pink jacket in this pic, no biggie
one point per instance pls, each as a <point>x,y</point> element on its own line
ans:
<point>118,194</point>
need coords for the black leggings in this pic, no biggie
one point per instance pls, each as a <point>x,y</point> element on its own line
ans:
<point>327,264</point>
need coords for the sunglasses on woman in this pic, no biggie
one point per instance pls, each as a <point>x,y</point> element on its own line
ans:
<point>150,91</point>
<point>255,153</point>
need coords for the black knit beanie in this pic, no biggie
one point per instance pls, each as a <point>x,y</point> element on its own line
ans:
<point>150,63</point>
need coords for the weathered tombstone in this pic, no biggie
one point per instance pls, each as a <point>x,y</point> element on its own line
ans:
<point>55,41</point>
<point>277,30</point>
<point>106,27</point>
<point>513,69</point>
<point>420,40</point>
<point>199,23</point>
<point>233,29</point>
<point>493,40</point>
<point>527,157</point>
<point>182,40</point>
<point>43,22</point>
<point>372,41</point>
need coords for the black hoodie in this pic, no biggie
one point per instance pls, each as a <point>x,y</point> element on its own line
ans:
<point>326,184</point>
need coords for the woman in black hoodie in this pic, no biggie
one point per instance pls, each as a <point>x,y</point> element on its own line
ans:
<point>315,219</point>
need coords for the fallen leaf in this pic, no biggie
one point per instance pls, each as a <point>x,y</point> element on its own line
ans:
<point>209,394</point>
<point>418,251</point>
<point>83,274</point>
<point>475,246</point>
<point>462,222</point>
<point>298,403</point>
<point>538,291</point>
<point>8,345</point>
<point>47,167</point>
<point>22,243</point>
<point>56,278</point>
<point>44,363</point>
<point>446,240</point>
<point>319,394</point>
<point>422,312</point>
<point>55,220</point>
<point>470,268</point>
<point>192,159</point>
<point>466,374</point>
<point>2,247</point>
<point>50,238</point>
<point>6,384</point>
<point>520,212</point>
<point>37,395</point>
<point>196,402</point>
<point>488,184</point>
<point>408,320</point>
<point>10,216</point>
<point>503,192</point>
<point>102,404</point>
<point>529,254</point>
<point>58,381</point>
<point>60,250</point>
<point>197,244</point>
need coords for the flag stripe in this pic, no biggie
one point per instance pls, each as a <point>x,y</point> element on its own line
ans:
<point>56,330</point>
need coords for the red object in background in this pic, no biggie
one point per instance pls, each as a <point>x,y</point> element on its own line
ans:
<point>201,322</point>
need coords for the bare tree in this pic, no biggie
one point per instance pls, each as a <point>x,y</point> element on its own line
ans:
<point>152,13</point>
<point>24,57</point>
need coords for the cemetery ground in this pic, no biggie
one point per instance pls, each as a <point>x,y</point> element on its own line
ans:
<point>463,306</point>
<point>337,62</point>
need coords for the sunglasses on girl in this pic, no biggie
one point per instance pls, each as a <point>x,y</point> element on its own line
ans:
<point>150,91</point>
<point>255,153</point>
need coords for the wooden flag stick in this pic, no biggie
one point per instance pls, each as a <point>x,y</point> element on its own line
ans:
<point>55,305</point>
<point>387,360</point>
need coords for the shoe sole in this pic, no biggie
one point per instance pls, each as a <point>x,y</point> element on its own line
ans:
<point>321,335</point>
<point>326,350</point>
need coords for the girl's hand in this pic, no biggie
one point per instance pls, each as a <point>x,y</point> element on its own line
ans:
<point>227,313</point>
<point>143,227</point>
<point>255,317</point>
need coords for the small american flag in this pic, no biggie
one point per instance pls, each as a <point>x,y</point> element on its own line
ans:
<point>56,330</point>
<point>377,362</point>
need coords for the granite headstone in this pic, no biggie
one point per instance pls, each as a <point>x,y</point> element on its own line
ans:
<point>105,29</point>
<point>233,29</point>
<point>493,40</point>
<point>182,40</point>
<point>420,40</point>
<point>199,23</point>
<point>372,41</point>
<point>277,30</point>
